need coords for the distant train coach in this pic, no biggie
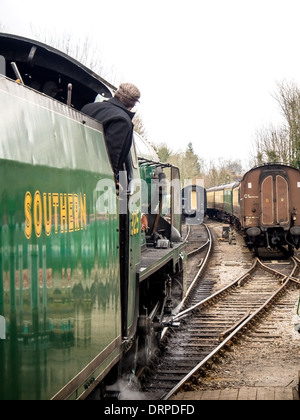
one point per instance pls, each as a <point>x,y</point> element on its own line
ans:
<point>193,204</point>
<point>264,205</point>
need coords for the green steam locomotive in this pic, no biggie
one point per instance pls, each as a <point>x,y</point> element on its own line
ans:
<point>89,275</point>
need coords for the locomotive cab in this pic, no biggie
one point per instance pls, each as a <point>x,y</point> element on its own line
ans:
<point>51,72</point>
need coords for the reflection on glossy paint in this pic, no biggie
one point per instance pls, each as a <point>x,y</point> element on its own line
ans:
<point>59,260</point>
<point>58,317</point>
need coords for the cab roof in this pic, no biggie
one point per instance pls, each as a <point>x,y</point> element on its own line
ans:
<point>50,71</point>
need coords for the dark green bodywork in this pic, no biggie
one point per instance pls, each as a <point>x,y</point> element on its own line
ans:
<point>76,289</point>
<point>59,260</point>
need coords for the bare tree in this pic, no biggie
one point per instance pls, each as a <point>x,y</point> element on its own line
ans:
<point>281,144</point>
<point>272,145</point>
<point>84,50</point>
<point>288,97</point>
<point>223,173</point>
<point>139,125</point>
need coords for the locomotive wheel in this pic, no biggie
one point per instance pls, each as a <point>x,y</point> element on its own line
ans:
<point>139,356</point>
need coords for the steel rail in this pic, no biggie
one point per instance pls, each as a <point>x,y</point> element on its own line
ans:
<point>297,259</point>
<point>201,269</point>
<point>209,241</point>
<point>195,251</point>
<point>233,335</point>
<point>296,262</point>
<point>181,304</point>
<point>187,234</point>
<point>296,279</point>
<point>236,282</point>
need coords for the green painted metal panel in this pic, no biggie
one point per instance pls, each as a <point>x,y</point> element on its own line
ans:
<point>135,210</point>
<point>59,259</point>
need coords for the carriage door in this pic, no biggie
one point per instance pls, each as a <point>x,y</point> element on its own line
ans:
<point>275,201</point>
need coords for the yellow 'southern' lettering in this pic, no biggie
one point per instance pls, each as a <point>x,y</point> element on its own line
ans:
<point>68,211</point>
<point>37,213</point>
<point>28,217</point>
<point>55,205</point>
<point>47,215</point>
<point>63,213</point>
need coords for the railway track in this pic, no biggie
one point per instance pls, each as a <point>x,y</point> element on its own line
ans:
<point>199,251</point>
<point>214,321</point>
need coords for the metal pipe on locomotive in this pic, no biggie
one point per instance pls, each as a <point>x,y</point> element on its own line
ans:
<point>85,288</point>
<point>264,206</point>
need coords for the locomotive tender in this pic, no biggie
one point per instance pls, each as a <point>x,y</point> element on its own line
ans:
<point>85,288</point>
<point>264,206</point>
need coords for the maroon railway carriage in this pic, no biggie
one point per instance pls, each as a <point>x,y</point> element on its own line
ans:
<point>270,207</point>
<point>264,206</point>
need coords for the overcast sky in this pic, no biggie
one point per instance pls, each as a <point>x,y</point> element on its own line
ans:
<point>207,69</point>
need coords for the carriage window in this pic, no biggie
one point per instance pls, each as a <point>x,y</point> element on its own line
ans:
<point>249,184</point>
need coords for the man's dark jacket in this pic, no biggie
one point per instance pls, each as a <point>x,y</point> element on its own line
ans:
<point>118,128</point>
